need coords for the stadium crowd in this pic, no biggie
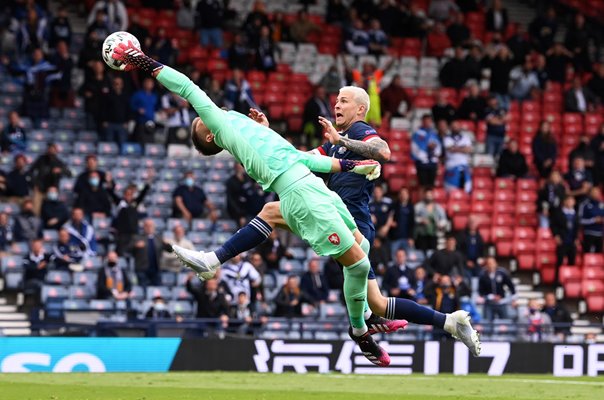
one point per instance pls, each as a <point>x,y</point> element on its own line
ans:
<point>485,81</point>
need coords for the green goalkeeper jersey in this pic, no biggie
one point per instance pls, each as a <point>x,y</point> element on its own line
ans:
<point>264,153</point>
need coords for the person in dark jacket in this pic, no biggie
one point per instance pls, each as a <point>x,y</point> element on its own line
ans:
<point>597,145</point>
<point>82,183</point>
<point>471,244</point>
<point>579,180</point>
<point>158,310</point>
<point>443,110</point>
<point>289,299</point>
<point>473,106</point>
<point>190,200</point>
<point>491,288</point>
<point>399,278</point>
<point>235,195</point>
<point>545,150</point>
<point>47,171</point>
<point>272,251</point>
<point>564,223</point>
<point>81,233</point>
<point>402,226</point>
<point>28,226</point>
<point>95,199</point>
<point>591,212</point>
<point>317,106</point>
<point>35,264</point>
<point>579,98</point>
<point>13,137</point>
<point>6,234</point>
<point>54,212</point>
<point>113,282</point>
<point>210,298</point>
<point>500,62</point>
<point>116,113</point>
<point>126,217</point>
<point>455,73</point>
<point>147,251</point>
<point>447,261</point>
<point>559,316</point>
<point>586,152</point>
<point>65,253</point>
<point>543,29</point>
<point>511,162</point>
<point>313,284</point>
<point>497,18</point>
<point>443,297</point>
<point>17,180</point>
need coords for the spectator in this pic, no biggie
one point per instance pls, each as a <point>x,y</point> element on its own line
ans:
<point>519,44</point>
<point>240,276</point>
<point>543,29</point>
<point>2,184</point>
<point>336,12</point>
<point>60,28</point>
<point>440,10</point>
<point>564,223</point>
<point>95,200</point>
<point>541,71</point>
<point>430,219</point>
<point>113,282</point>
<point>35,265</point>
<point>314,284</point>
<point>143,104</point>
<point>586,152</point>
<point>13,139</point>
<point>65,254</point>
<point>279,28</point>
<point>158,310</point>
<point>301,27</point>
<point>356,41</point>
<point>380,207</point>
<point>185,16</point>
<point>545,150</point>
<point>6,234</point>
<point>125,221</point>
<point>139,31</point>
<point>272,251</point>
<point>457,31</point>
<point>474,62</point>
<point>31,32</point>
<point>497,18</point>
<point>421,285</point>
<point>235,195</point>
<point>317,106</point>
<point>579,98</point>
<point>473,106</point>
<point>215,93</point>
<point>82,183</point>
<point>333,273</point>
<point>537,321</point>
<point>147,251</point>
<point>426,150</point>
<point>95,90</point>
<point>54,212</point>
<point>113,11</point>
<point>471,245</point>
<point>239,53</point>
<point>169,261</point>
<point>97,31</point>
<point>17,180</point>
<point>394,100</point>
<point>163,48</point>
<point>289,299</point>
<point>116,114</point>
<point>211,300</point>
<point>399,278</point>
<point>178,118</point>
<point>597,144</point>
<point>378,40</point>
<point>496,118</point>
<point>578,40</point>
<point>238,93</point>
<point>443,110</point>
<point>458,151</point>
<point>403,222</point>
<point>558,58</point>
<point>579,180</point>
<point>491,288</point>
<point>437,41</point>
<point>28,226</point>
<point>596,83</point>
<point>559,316</point>
<point>552,193</point>
<point>523,81</point>
<point>190,201</point>
<point>46,171</point>
<point>499,61</point>
<point>455,72</point>
<point>447,261</point>
<point>209,15</point>
<point>379,256</point>
<point>591,213</point>
<point>443,298</point>
<point>332,80</point>
<point>62,94</point>
<point>81,233</point>
<point>255,21</point>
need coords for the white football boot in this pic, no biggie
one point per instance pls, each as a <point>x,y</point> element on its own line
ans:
<point>459,326</point>
<point>197,261</point>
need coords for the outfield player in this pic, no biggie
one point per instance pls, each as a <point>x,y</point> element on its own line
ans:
<point>310,209</point>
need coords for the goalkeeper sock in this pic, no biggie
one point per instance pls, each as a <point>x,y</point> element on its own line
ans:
<point>246,238</point>
<point>355,293</point>
<point>366,247</point>
<point>411,311</point>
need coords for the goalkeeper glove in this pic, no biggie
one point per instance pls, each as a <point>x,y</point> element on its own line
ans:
<point>370,168</point>
<point>132,58</point>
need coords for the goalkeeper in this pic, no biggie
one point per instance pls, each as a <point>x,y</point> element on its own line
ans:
<point>310,209</point>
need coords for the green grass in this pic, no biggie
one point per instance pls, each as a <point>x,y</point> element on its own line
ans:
<point>244,386</point>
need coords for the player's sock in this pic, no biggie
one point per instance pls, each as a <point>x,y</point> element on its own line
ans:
<point>366,247</point>
<point>411,311</point>
<point>355,293</point>
<point>246,238</point>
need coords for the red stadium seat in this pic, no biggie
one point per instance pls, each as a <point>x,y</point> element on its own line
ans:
<point>572,289</point>
<point>456,207</point>
<point>483,207</point>
<point>593,273</point>
<point>460,222</point>
<point>526,208</point>
<point>482,195</point>
<point>458,195</point>
<point>526,262</point>
<point>548,275</point>
<point>593,260</point>
<point>482,182</point>
<point>595,303</point>
<point>591,287</point>
<point>526,196</point>
<point>502,196</point>
<point>569,273</point>
<point>504,220</point>
<point>504,184</point>
<point>393,170</point>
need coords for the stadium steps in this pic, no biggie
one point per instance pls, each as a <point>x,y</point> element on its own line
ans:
<point>519,12</point>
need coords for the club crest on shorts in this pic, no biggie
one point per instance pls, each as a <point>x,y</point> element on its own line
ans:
<point>334,238</point>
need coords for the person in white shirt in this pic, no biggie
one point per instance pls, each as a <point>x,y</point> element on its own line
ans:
<point>458,151</point>
<point>117,16</point>
<point>240,276</point>
<point>169,260</point>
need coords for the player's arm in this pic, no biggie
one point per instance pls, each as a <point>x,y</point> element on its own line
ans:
<point>375,148</point>
<point>176,82</point>
<point>323,164</point>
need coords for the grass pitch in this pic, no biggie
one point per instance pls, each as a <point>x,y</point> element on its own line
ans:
<point>290,386</point>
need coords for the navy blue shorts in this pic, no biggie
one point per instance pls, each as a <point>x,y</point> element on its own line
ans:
<point>368,231</point>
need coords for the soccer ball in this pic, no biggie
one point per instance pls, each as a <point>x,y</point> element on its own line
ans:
<point>111,42</point>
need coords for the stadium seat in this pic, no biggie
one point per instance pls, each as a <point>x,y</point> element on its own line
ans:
<point>54,292</point>
<point>85,278</point>
<point>102,305</point>
<point>168,278</point>
<point>595,303</point>
<point>593,272</point>
<point>593,260</point>
<point>180,307</point>
<point>82,292</point>
<point>11,263</point>
<point>58,278</point>
<point>13,280</point>
<point>180,293</point>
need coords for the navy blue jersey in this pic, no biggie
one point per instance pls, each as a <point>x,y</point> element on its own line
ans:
<point>355,190</point>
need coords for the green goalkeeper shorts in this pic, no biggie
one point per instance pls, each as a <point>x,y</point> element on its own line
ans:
<point>319,216</point>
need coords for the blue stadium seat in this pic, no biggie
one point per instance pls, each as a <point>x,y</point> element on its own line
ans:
<point>82,292</point>
<point>13,279</point>
<point>6,160</point>
<point>154,163</point>
<point>101,305</point>
<point>66,136</point>
<point>66,185</point>
<point>168,278</point>
<point>75,305</point>
<point>160,224</point>
<point>105,161</point>
<point>84,148</point>
<point>172,222</point>
<point>76,160</point>
<point>161,199</point>
<point>154,291</point>
<point>181,307</point>
<point>202,239</point>
<point>20,248</point>
<point>226,225</point>
<point>291,266</point>
<point>50,235</point>
<point>88,136</point>
<point>165,186</point>
<point>85,278</point>
<point>155,150</point>
<point>159,212</point>
<point>40,135</point>
<point>138,293</point>
<point>180,293</point>
<point>216,188</point>
<point>170,175</point>
<point>132,149</point>
<point>177,163</point>
<point>219,175</point>
<point>36,147</point>
<point>123,173</point>
<point>181,279</point>
<point>58,278</point>
<point>108,148</point>
<point>54,292</point>
<point>9,208</point>
<point>127,162</point>
<point>202,225</point>
<point>92,263</point>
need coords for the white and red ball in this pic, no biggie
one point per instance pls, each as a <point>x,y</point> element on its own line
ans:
<point>110,44</point>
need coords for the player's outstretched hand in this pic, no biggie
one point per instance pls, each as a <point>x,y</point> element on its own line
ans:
<point>126,53</point>
<point>370,168</point>
<point>331,134</point>
<point>258,116</point>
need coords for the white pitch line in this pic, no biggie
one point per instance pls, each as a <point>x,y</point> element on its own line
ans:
<point>465,377</point>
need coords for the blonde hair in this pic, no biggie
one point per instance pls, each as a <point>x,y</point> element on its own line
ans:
<point>359,95</point>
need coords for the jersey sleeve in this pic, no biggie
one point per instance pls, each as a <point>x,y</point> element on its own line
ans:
<point>323,149</point>
<point>212,116</point>
<point>362,132</point>
<point>316,163</point>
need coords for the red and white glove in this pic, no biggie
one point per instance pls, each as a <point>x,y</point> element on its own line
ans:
<point>370,168</point>
<point>133,58</point>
